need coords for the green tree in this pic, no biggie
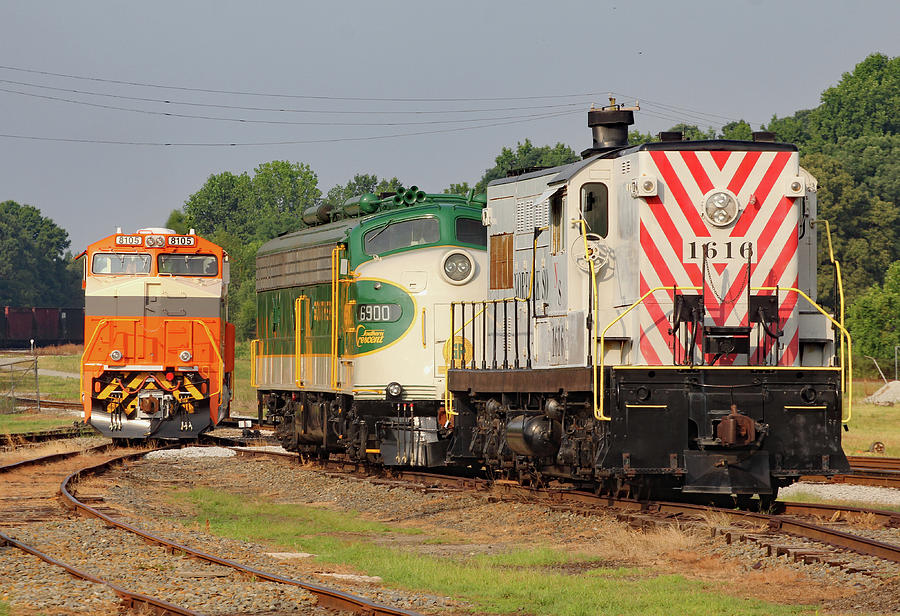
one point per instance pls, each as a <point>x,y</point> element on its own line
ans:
<point>177,221</point>
<point>280,190</point>
<point>35,265</point>
<point>359,184</point>
<point>457,189</point>
<point>524,156</point>
<point>863,227</point>
<point>737,131</point>
<point>223,203</point>
<point>874,318</point>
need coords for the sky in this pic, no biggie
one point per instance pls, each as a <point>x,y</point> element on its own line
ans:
<point>91,92</point>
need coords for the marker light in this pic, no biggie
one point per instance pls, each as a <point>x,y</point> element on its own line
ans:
<point>185,355</point>
<point>115,355</point>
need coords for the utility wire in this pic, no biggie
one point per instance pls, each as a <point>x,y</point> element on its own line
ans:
<point>173,114</point>
<point>300,96</point>
<point>283,109</point>
<point>271,143</point>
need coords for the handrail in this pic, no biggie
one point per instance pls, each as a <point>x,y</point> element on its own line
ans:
<point>849,367</point>
<point>594,317</point>
<point>599,410</point>
<point>218,355</point>
<point>298,349</point>
<point>253,352</point>
<point>335,299</point>
<point>88,347</point>
<point>840,284</point>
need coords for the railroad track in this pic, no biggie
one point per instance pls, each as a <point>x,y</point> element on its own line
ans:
<point>56,404</point>
<point>807,532</point>
<point>60,471</point>
<point>867,471</point>
<point>40,436</point>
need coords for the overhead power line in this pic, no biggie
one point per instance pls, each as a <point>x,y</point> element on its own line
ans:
<point>173,114</point>
<point>272,143</point>
<point>303,96</point>
<point>289,110</point>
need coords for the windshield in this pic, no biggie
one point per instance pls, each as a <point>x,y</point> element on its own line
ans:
<point>402,234</point>
<point>188,265</point>
<point>130,263</point>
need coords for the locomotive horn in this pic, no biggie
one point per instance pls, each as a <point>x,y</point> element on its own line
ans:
<point>409,197</point>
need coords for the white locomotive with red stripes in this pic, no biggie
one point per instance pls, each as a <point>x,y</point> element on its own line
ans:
<point>652,323</point>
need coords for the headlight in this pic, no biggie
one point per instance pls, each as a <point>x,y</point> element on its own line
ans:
<point>185,356</point>
<point>394,390</point>
<point>457,267</point>
<point>154,240</point>
<point>721,208</point>
<point>115,355</point>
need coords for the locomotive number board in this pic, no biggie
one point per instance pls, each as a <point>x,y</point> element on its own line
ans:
<point>181,240</point>
<point>129,240</point>
<point>731,250</point>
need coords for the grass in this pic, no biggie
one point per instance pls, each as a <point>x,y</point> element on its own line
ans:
<point>520,581</point>
<point>4,608</point>
<point>871,423</point>
<point>30,422</point>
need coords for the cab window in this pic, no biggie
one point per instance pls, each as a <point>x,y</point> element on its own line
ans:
<point>595,208</point>
<point>120,263</point>
<point>402,234</point>
<point>188,265</point>
<point>471,231</point>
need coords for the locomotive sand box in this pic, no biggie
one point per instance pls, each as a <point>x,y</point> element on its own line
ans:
<point>643,321</point>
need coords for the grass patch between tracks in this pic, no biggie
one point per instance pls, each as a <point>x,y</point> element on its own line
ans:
<point>538,580</point>
<point>30,422</point>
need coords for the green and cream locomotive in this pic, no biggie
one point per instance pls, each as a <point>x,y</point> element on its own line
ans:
<point>353,315</point>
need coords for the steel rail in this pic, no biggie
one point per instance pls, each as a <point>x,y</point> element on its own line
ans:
<point>890,519</point>
<point>327,597</point>
<point>849,541</point>
<point>38,436</point>
<point>54,457</point>
<point>130,599</point>
<point>63,404</point>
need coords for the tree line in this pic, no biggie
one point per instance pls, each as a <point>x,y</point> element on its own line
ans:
<point>849,142</point>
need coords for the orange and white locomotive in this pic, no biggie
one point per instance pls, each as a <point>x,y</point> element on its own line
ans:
<point>159,353</point>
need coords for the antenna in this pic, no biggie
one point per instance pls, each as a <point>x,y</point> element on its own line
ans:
<point>118,229</point>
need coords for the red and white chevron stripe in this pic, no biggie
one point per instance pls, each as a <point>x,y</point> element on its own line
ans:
<point>673,232</point>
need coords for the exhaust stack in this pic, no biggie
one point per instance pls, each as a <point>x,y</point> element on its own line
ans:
<point>609,126</point>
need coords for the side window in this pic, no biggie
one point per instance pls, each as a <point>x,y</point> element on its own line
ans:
<point>471,231</point>
<point>557,230</point>
<point>502,261</point>
<point>595,207</point>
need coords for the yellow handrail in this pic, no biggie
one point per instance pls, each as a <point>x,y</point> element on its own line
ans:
<point>598,408</point>
<point>253,346</point>
<point>298,351</point>
<point>335,299</point>
<point>849,368</point>
<point>840,285</point>
<point>215,347</point>
<point>593,308</point>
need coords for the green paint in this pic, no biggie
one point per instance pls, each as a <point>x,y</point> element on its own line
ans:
<point>276,312</point>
